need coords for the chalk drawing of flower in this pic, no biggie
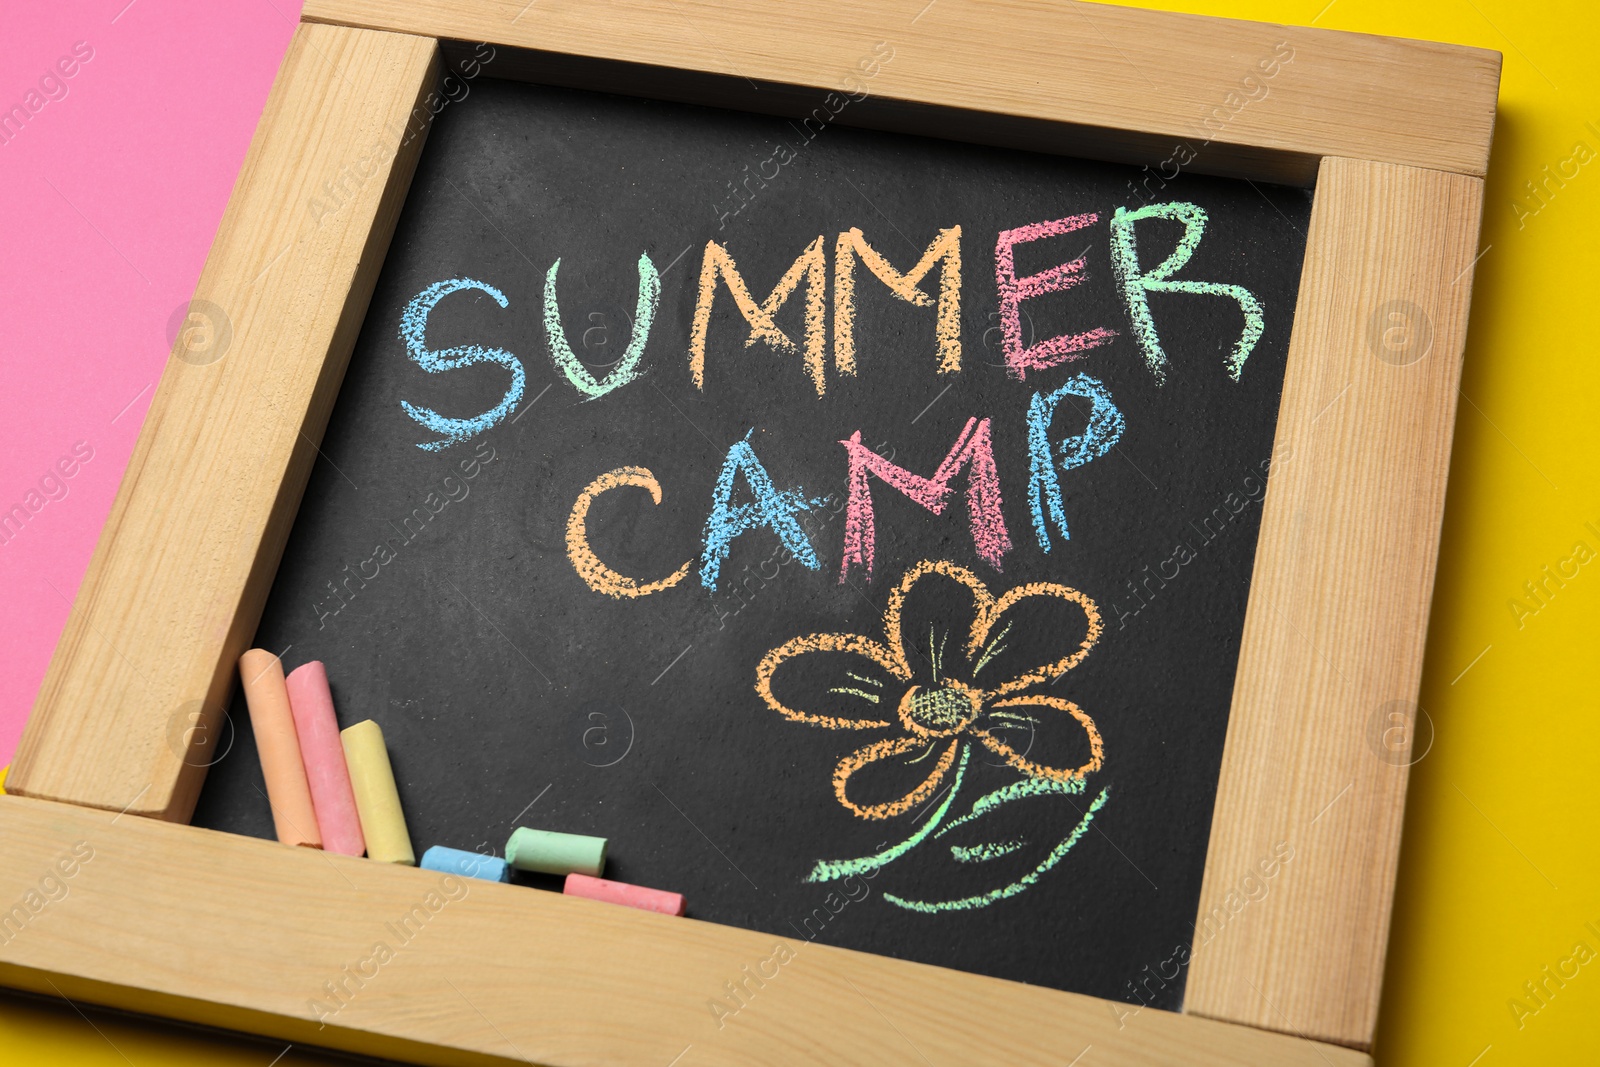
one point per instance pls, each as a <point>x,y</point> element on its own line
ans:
<point>930,703</point>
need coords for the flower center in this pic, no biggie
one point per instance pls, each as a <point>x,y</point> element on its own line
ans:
<point>939,712</point>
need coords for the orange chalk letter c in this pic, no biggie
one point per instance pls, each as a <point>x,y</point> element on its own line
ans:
<point>588,565</point>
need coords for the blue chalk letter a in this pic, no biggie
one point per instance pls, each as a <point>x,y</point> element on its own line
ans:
<point>771,508</point>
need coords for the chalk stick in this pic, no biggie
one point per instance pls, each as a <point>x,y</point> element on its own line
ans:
<point>633,896</point>
<point>383,824</point>
<point>292,814</point>
<point>552,853</point>
<point>315,725</point>
<point>469,864</point>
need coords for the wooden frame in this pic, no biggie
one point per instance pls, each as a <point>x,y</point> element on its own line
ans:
<point>242,933</point>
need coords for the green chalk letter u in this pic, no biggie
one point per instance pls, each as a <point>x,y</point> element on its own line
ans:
<point>1134,285</point>
<point>627,368</point>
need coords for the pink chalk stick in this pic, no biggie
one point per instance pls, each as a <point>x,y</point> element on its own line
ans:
<point>311,703</point>
<point>633,896</point>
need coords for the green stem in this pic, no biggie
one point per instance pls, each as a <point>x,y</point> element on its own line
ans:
<point>981,900</point>
<point>833,870</point>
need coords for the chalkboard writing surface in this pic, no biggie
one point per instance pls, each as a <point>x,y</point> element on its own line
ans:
<point>908,626</point>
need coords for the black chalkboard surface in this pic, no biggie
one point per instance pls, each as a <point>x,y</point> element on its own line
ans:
<point>896,610</point>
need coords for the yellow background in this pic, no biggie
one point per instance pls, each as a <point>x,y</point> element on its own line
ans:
<point>1500,868</point>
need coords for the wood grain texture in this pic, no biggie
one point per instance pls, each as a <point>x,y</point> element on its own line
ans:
<point>239,932</point>
<point>1081,79</point>
<point>244,933</point>
<point>177,582</point>
<point>1338,615</point>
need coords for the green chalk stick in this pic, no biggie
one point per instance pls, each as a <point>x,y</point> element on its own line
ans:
<point>552,853</point>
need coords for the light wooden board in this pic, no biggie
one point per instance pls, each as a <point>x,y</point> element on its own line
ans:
<point>232,931</point>
<point>178,580</point>
<point>1127,84</point>
<point>1333,635</point>
<point>1339,600</point>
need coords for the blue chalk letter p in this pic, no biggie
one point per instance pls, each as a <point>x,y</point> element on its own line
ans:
<point>1103,431</point>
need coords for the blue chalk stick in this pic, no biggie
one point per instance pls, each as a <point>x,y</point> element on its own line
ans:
<point>469,864</point>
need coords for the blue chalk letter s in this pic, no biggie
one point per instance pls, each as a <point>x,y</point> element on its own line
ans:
<point>413,327</point>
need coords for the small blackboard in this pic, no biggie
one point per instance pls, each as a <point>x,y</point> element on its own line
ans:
<point>896,607</point>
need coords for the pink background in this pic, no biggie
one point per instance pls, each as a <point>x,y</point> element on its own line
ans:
<point>109,197</point>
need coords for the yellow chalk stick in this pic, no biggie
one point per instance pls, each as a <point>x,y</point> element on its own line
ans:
<point>383,824</point>
<point>279,748</point>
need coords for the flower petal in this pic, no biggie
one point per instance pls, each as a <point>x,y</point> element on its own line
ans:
<point>1083,738</point>
<point>1034,633</point>
<point>901,758</point>
<point>850,682</point>
<point>927,615</point>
